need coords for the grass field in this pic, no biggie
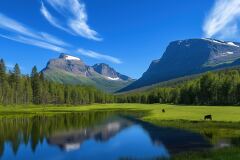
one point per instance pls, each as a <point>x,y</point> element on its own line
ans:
<point>173,112</point>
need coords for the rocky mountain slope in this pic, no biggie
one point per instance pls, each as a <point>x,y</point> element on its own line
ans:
<point>109,72</point>
<point>188,57</point>
<point>72,70</point>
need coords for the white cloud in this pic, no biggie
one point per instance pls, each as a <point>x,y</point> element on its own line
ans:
<point>12,25</point>
<point>26,35</point>
<point>51,39</point>
<point>23,34</point>
<point>53,21</point>
<point>34,42</point>
<point>76,17</point>
<point>96,55</point>
<point>222,20</point>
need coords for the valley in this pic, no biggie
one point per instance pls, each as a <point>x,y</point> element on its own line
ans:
<point>119,80</point>
<point>45,117</point>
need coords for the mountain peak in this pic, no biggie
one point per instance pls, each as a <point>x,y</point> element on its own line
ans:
<point>68,69</point>
<point>68,57</point>
<point>228,43</point>
<point>110,73</point>
<point>106,70</point>
<point>102,64</point>
<point>211,41</point>
<point>187,57</point>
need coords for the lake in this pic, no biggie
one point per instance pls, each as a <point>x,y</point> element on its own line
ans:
<point>95,135</point>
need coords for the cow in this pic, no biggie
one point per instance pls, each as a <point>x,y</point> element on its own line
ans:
<point>163,110</point>
<point>208,117</point>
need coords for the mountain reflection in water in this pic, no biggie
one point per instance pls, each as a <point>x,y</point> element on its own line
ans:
<point>72,140</point>
<point>97,135</point>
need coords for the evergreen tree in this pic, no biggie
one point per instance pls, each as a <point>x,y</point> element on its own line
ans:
<point>35,81</point>
<point>2,80</point>
<point>16,78</point>
<point>2,71</point>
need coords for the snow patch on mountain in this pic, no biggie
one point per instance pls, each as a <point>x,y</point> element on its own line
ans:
<point>113,79</point>
<point>224,54</point>
<point>229,52</point>
<point>68,57</point>
<point>232,44</point>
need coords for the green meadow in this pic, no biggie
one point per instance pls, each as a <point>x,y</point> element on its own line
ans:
<point>153,111</point>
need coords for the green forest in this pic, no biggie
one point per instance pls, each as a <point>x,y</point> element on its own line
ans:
<point>16,88</point>
<point>211,88</point>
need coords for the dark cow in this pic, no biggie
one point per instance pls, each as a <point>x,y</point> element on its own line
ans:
<point>208,117</point>
<point>163,110</point>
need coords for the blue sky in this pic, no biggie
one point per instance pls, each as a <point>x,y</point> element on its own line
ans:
<point>126,34</point>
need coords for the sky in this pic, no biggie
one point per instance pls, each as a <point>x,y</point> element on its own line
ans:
<point>126,34</point>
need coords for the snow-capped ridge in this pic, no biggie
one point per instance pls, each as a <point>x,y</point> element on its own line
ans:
<point>68,57</point>
<point>221,42</point>
<point>232,44</point>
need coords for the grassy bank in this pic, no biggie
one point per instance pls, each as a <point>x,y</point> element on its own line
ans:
<point>226,119</point>
<point>173,112</point>
<point>221,154</point>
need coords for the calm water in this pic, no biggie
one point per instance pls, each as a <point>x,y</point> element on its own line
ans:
<point>92,136</point>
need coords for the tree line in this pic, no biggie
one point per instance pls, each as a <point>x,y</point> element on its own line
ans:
<point>16,88</point>
<point>212,88</point>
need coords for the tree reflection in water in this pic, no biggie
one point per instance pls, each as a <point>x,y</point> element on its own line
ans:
<point>24,130</point>
<point>69,131</point>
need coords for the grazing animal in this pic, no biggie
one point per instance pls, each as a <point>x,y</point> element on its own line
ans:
<point>208,117</point>
<point>163,110</point>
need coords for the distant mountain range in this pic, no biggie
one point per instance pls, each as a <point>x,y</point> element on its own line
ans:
<point>181,59</point>
<point>187,57</point>
<point>68,69</point>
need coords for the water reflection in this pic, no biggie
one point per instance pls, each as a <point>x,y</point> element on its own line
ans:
<point>72,140</point>
<point>176,140</point>
<point>95,135</point>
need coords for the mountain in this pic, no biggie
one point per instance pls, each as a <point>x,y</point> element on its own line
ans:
<point>188,57</point>
<point>109,72</point>
<point>68,69</point>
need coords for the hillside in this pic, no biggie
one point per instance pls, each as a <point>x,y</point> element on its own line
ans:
<point>188,57</point>
<point>176,81</point>
<point>220,87</point>
<point>72,70</point>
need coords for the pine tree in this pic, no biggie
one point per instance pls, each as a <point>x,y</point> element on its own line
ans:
<point>17,84</point>
<point>2,79</point>
<point>35,81</point>
<point>2,71</point>
<point>27,94</point>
